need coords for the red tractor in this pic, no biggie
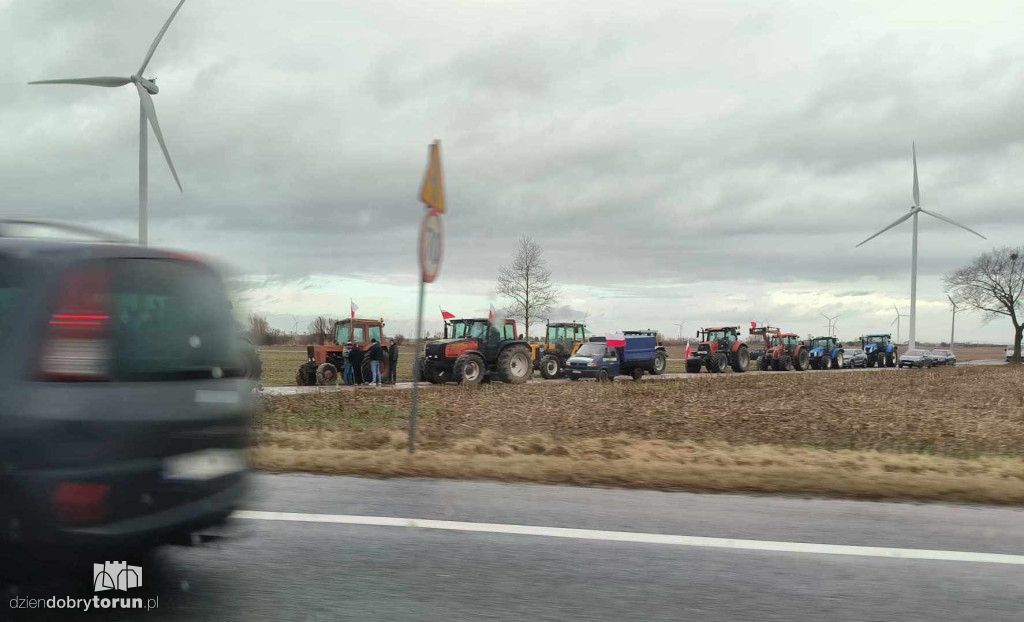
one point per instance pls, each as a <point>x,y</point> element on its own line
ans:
<point>719,348</point>
<point>782,351</point>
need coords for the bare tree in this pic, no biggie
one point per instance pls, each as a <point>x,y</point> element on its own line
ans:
<point>993,283</point>
<point>526,282</point>
<point>259,329</point>
<point>320,328</point>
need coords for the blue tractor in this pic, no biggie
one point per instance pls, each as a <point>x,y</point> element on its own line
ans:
<point>826,353</point>
<point>880,350</point>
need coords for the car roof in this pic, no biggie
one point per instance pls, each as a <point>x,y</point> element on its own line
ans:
<point>70,250</point>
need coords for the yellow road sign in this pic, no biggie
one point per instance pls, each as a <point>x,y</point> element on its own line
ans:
<point>432,191</point>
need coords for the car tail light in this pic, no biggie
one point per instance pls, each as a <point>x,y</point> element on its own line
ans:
<point>77,345</point>
<point>80,502</point>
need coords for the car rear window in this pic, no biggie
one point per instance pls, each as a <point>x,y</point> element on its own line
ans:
<point>170,320</point>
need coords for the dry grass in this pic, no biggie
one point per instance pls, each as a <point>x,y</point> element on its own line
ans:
<point>952,434</point>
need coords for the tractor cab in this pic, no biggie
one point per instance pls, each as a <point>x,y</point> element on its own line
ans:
<point>479,328</point>
<point>719,338</point>
<point>825,343</point>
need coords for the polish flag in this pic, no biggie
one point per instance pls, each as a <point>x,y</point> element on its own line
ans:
<point>354,306</point>
<point>616,341</point>
<point>688,349</point>
<point>753,324</point>
<point>491,314</point>
<point>446,316</point>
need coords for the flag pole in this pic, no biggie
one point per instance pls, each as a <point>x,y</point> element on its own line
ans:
<point>416,369</point>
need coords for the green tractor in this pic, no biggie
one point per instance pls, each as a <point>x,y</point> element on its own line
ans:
<point>477,350</point>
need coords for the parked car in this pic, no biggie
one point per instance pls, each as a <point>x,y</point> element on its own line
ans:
<point>916,358</point>
<point>944,357</point>
<point>125,409</point>
<point>855,357</point>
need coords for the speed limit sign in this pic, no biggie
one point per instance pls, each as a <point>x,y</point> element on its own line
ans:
<point>431,246</point>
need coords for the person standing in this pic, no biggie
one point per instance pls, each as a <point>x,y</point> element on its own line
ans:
<point>376,356</point>
<point>348,378</point>
<point>392,361</point>
<point>355,356</point>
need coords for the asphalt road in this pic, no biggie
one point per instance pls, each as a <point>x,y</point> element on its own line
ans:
<point>293,570</point>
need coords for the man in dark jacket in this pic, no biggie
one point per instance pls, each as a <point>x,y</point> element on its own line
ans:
<point>392,361</point>
<point>355,356</point>
<point>376,357</point>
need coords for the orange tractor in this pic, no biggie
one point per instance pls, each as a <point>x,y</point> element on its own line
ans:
<point>782,351</point>
<point>324,362</point>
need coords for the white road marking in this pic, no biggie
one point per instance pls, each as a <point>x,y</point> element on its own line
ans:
<point>643,538</point>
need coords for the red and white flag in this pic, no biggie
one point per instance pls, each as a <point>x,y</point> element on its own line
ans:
<point>354,306</point>
<point>688,349</point>
<point>491,314</point>
<point>615,341</point>
<point>446,315</point>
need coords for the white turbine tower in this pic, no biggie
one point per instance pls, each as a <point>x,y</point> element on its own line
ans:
<point>914,211</point>
<point>897,323</point>
<point>147,114</point>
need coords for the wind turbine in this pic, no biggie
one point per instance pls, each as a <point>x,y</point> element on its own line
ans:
<point>147,114</point>
<point>831,324</point>
<point>916,209</point>
<point>680,325</point>
<point>897,323</point>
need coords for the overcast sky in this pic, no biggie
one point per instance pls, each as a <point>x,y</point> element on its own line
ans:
<point>711,162</point>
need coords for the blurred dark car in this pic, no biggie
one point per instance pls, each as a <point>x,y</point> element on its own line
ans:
<point>943,357</point>
<point>124,411</point>
<point>855,357</point>
<point>916,358</point>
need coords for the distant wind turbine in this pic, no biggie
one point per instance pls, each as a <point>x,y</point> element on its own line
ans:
<point>897,323</point>
<point>914,211</point>
<point>831,324</point>
<point>147,113</point>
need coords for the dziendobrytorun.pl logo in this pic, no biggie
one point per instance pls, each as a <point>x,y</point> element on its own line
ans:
<point>117,576</point>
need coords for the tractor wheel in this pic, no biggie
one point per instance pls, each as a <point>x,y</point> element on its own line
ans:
<point>826,361</point>
<point>693,366</point>
<point>787,363</point>
<point>469,369</point>
<point>637,373</point>
<point>514,365</point>
<point>890,360</point>
<point>327,375</point>
<point>602,376</point>
<point>660,363</point>
<point>550,368</point>
<point>432,374</point>
<point>800,361</point>
<point>763,364</point>
<point>306,374</point>
<point>840,360</point>
<point>741,361</point>
<point>815,364</point>
<point>713,363</point>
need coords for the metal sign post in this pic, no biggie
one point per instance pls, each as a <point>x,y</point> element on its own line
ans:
<point>431,250</point>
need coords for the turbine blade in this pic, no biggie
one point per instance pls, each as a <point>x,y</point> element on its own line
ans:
<point>953,222</point>
<point>147,105</point>
<point>894,321</point>
<point>917,191</point>
<point>110,81</point>
<point>159,36</point>
<point>898,221</point>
